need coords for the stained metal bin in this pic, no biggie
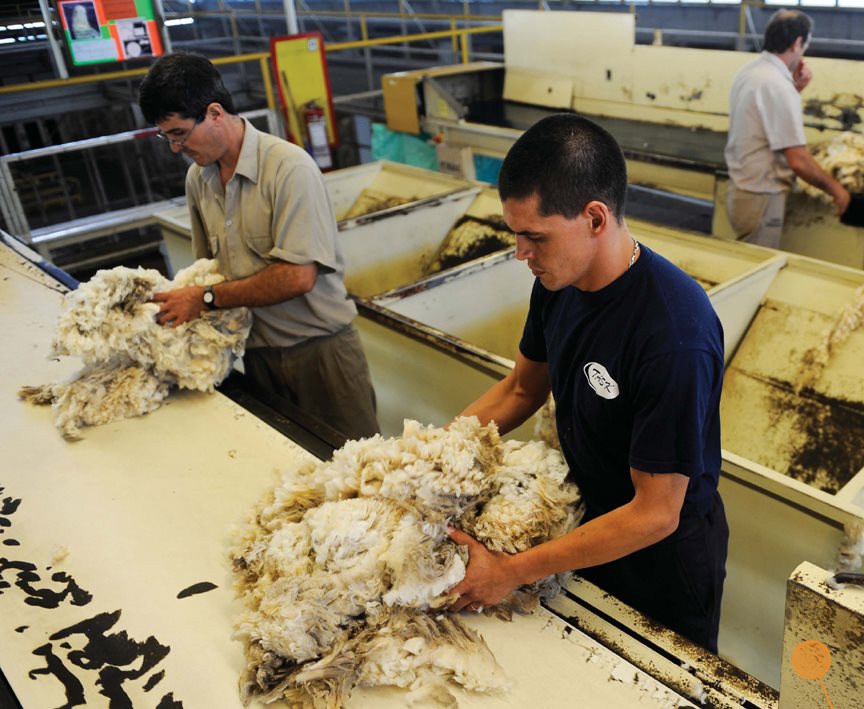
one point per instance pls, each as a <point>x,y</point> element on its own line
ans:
<point>399,245</point>
<point>373,187</point>
<point>800,451</point>
<point>735,277</point>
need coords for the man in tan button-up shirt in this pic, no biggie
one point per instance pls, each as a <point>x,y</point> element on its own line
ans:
<point>260,208</point>
<point>766,148</point>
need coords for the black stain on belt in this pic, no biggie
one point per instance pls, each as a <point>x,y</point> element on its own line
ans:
<point>154,680</point>
<point>41,592</point>
<point>196,588</point>
<point>21,628</point>
<point>695,95</point>
<point>11,542</point>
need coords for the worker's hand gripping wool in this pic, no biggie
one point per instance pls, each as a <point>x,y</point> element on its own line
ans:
<point>132,362</point>
<point>346,565</point>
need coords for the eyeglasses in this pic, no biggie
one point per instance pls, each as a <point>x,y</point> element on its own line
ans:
<point>181,142</point>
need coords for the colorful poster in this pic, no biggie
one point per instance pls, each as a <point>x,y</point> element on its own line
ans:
<point>99,31</point>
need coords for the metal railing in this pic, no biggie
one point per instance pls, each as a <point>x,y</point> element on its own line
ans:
<point>11,207</point>
<point>80,229</point>
<point>263,59</point>
<point>744,36</point>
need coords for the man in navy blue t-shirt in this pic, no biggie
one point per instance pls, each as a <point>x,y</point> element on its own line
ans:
<point>632,351</point>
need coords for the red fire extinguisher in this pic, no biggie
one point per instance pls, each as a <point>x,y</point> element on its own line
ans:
<point>316,132</point>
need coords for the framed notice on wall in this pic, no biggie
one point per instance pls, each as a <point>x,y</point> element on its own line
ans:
<point>100,31</point>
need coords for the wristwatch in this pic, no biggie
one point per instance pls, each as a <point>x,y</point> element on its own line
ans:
<point>209,298</point>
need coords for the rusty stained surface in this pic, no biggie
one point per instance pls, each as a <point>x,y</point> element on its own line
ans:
<point>815,436</point>
<point>802,210</point>
<point>844,109</point>
<point>400,205</point>
<point>695,671</point>
<point>817,611</point>
<point>572,630</point>
<point>686,94</point>
<point>693,94</point>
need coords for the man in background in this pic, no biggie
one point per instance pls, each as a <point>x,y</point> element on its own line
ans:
<point>766,147</point>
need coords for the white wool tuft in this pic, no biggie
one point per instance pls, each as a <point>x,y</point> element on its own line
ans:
<point>131,360</point>
<point>345,563</point>
<point>545,425</point>
<point>471,238</point>
<point>851,551</point>
<point>840,157</point>
<point>814,361</point>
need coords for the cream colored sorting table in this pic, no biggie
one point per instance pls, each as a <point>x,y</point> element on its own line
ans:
<point>113,553</point>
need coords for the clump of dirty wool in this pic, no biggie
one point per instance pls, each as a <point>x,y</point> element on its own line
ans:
<point>370,200</point>
<point>842,157</point>
<point>131,361</point>
<point>816,358</point>
<point>471,238</point>
<point>851,551</point>
<point>545,425</point>
<point>345,567</point>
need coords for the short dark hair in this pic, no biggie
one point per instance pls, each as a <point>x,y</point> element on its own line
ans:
<point>182,83</point>
<point>567,161</point>
<point>784,27</point>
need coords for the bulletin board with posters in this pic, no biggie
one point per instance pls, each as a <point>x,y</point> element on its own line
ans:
<point>101,31</point>
<point>300,68</point>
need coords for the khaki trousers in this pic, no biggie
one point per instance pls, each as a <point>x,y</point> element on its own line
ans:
<point>756,217</point>
<point>326,376</point>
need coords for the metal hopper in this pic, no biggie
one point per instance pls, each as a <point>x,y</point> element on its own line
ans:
<point>793,462</point>
<point>735,277</point>
<point>370,188</point>
<point>401,245</point>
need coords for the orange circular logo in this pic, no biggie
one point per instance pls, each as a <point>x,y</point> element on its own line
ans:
<point>811,659</point>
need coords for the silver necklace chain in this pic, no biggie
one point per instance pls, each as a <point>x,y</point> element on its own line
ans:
<point>635,253</point>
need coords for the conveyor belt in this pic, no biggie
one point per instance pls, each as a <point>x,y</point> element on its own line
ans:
<point>105,539</point>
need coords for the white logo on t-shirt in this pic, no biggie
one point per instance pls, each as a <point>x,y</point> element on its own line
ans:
<point>600,380</point>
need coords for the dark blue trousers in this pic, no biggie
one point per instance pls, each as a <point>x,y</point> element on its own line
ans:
<point>677,582</point>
